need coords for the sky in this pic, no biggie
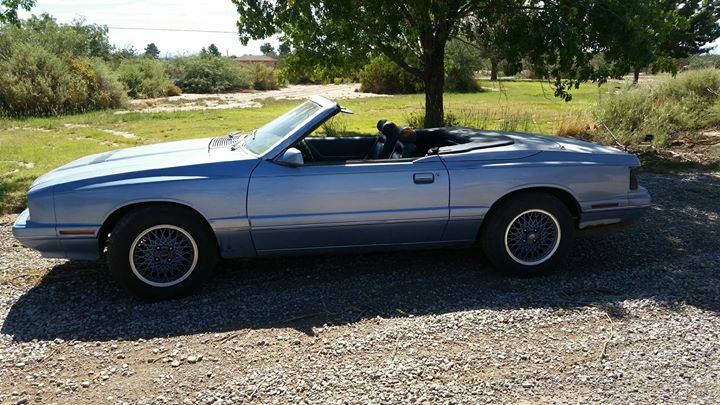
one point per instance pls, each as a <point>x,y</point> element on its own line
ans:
<point>213,15</point>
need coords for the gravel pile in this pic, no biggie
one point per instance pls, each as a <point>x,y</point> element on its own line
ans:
<point>633,317</point>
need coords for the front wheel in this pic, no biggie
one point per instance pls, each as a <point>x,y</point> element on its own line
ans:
<point>528,235</point>
<point>161,252</point>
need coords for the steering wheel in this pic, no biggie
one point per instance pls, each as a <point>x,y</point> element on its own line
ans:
<point>305,151</point>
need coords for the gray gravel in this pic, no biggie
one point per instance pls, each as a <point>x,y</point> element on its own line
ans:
<point>633,317</point>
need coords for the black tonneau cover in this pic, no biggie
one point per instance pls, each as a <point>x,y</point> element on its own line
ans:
<point>467,139</point>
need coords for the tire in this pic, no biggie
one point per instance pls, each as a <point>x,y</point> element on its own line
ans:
<point>161,252</point>
<point>528,235</point>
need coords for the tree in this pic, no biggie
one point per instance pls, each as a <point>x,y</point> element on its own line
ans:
<point>268,50</point>
<point>152,50</point>
<point>213,50</point>
<point>284,50</point>
<point>415,40</point>
<point>76,38</point>
<point>9,8</point>
<point>558,37</point>
<point>497,36</point>
<point>652,33</point>
<point>127,52</point>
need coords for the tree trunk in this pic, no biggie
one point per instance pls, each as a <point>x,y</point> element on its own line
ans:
<point>494,66</point>
<point>636,75</point>
<point>434,86</point>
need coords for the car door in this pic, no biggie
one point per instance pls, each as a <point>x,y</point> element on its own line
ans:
<point>347,204</point>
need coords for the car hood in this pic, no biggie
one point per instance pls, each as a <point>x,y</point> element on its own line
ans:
<point>149,158</point>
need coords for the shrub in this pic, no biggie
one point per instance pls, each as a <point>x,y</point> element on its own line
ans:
<point>704,84</point>
<point>77,39</point>
<point>461,63</point>
<point>677,106</point>
<point>576,126</point>
<point>34,81</point>
<point>97,87</point>
<point>300,67</point>
<point>505,120</point>
<point>460,78</point>
<point>265,78</point>
<point>145,78</point>
<point>206,74</point>
<point>48,68</point>
<point>383,76</point>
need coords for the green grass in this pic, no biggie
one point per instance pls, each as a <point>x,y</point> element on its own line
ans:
<point>31,147</point>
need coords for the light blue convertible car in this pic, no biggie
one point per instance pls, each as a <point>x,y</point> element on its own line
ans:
<point>164,214</point>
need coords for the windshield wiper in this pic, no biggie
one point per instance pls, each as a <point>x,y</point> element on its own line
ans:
<point>242,141</point>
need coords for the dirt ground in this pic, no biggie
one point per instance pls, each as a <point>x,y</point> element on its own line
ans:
<point>632,317</point>
<point>187,102</point>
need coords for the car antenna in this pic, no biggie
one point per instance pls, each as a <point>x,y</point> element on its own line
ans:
<point>611,133</point>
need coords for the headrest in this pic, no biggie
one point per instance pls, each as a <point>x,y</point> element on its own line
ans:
<point>380,125</point>
<point>390,130</point>
<point>407,135</point>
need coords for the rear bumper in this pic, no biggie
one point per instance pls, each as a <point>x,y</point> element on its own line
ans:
<point>639,203</point>
<point>44,238</point>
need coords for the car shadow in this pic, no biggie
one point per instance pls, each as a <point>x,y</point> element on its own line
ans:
<point>670,256</point>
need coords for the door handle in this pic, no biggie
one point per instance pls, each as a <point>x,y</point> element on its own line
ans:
<point>423,178</point>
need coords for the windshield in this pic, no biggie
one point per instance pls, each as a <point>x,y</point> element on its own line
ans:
<point>268,135</point>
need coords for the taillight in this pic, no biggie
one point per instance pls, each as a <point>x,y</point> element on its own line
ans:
<point>633,178</point>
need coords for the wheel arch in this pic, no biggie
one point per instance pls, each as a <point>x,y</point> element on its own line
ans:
<point>562,194</point>
<point>119,212</point>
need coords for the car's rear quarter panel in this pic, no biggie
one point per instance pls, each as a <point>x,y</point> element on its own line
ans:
<point>477,182</point>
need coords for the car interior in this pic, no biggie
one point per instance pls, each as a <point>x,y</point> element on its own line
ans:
<point>393,142</point>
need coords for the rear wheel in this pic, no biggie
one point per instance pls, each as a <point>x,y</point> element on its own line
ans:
<point>528,235</point>
<point>161,252</point>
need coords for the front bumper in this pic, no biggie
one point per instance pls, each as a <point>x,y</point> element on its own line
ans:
<point>639,202</point>
<point>41,237</point>
<point>44,238</point>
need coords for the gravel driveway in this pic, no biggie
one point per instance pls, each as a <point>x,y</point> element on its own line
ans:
<point>632,318</point>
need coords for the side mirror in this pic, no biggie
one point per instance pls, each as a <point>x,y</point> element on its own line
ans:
<point>291,158</point>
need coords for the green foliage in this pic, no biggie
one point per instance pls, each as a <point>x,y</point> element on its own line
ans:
<point>557,39</point>
<point>297,67</point>
<point>383,76</point>
<point>334,33</point>
<point>211,50</point>
<point>695,62</point>
<point>77,39</point>
<point>268,50</point>
<point>284,49</point>
<point>264,77</point>
<point>127,52</point>
<point>48,68</point>
<point>152,50</point>
<point>461,63</point>
<point>675,107</point>
<point>208,74</point>
<point>503,120</point>
<point>8,9</point>
<point>145,78</point>
<point>651,34</point>
<point>35,82</point>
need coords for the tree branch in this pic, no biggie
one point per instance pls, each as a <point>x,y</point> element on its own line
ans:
<point>390,53</point>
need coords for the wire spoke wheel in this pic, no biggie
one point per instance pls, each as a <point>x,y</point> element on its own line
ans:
<point>532,237</point>
<point>163,255</point>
